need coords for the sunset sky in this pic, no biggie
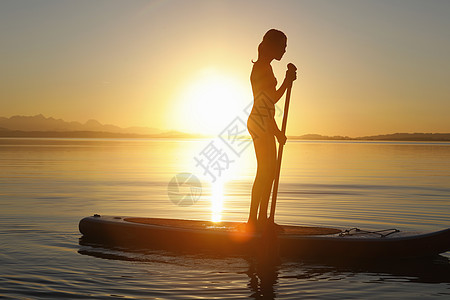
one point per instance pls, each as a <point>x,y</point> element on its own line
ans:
<point>365,67</point>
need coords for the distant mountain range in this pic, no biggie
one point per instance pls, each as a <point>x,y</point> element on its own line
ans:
<point>382,137</point>
<point>40,126</point>
<point>409,137</point>
<point>41,123</point>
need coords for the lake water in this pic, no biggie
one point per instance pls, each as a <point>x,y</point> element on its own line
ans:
<point>48,185</point>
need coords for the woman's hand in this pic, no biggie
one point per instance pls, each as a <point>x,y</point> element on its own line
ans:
<point>281,137</point>
<point>291,75</point>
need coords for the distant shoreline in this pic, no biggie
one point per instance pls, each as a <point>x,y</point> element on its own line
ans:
<point>407,137</point>
<point>88,134</point>
<point>39,126</point>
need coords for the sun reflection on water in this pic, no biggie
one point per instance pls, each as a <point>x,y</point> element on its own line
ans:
<point>217,200</point>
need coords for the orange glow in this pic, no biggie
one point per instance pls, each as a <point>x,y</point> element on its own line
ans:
<point>184,66</point>
<point>209,102</point>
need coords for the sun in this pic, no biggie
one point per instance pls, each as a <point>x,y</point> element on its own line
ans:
<point>209,102</point>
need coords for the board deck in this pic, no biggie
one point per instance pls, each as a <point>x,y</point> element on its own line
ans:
<point>229,226</point>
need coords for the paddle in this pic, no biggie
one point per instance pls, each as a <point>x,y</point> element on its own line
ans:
<point>271,220</point>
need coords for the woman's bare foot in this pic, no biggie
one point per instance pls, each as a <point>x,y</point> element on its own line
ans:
<point>278,228</point>
<point>272,226</point>
<point>249,227</point>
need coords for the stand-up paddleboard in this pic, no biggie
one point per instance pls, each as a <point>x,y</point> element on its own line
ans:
<point>293,241</point>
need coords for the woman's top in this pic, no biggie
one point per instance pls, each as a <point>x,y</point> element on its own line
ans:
<point>263,84</point>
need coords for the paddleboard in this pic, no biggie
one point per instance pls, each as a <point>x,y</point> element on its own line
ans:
<point>234,237</point>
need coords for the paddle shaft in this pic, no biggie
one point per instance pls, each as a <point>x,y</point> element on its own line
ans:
<point>280,155</point>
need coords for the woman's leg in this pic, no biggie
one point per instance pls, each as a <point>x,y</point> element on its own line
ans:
<point>265,150</point>
<point>256,198</point>
<point>269,165</point>
<point>257,184</point>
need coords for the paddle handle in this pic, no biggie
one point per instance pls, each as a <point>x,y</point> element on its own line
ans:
<point>280,150</point>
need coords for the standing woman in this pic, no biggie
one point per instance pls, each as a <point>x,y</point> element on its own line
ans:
<point>261,123</point>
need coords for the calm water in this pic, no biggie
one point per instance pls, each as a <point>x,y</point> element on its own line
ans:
<point>48,185</point>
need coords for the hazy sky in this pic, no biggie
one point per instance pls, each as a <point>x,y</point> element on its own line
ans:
<point>365,67</point>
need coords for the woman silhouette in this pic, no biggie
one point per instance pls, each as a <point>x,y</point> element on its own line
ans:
<point>261,123</point>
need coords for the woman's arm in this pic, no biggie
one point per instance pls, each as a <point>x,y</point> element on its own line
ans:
<point>276,95</point>
<point>279,93</point>
<point>281,137</point>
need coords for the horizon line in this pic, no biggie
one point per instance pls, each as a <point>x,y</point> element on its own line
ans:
<point>196,134</point>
